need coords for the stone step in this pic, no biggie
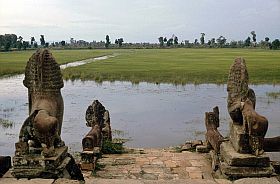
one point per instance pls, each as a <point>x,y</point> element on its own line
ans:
<point>234,172</point>
<point>233,158</point>
<point>132,181</point>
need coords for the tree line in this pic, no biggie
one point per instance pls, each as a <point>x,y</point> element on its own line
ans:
<point>220,42</point>
<point>13,42</point>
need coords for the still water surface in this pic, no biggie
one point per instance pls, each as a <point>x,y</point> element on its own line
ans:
<point>151,115</point>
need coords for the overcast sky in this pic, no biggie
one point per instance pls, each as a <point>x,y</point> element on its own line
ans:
<point>140,20</point>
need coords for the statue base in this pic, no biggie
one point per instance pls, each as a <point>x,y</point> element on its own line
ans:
<point>34,165</point>
<point>89,159</point>
<point>239,138</point>
<point>236,165</point>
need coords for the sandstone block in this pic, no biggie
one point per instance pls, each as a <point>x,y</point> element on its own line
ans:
<point>239,138</point>
<point>233,158</point>
<point>243,172</point>
<point>202,149</point>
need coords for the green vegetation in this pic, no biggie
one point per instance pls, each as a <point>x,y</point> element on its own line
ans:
<point>109,147</point>
<point>273,95</point>
<point>6,123</point>
<point>176,66</point>
<point>15,62</point>
<point>179,66</point>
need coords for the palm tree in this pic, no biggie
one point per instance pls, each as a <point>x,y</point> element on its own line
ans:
<point>32,40</point>
<point>202,38</point>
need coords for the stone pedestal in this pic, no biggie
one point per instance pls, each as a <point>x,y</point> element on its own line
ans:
<point>239,138</point>
<point>37,166</point>
<point>89,159</point>
<point>239,165</point>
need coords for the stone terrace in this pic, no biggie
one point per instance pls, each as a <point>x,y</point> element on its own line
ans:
<point>149,166</point>
<point>154,164</point>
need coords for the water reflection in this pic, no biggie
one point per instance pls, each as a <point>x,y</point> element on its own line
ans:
<point>86,61</point>
<point>151,115</point>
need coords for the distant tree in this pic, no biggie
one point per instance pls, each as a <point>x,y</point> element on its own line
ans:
<point>32,40</point>
<point>7,46</point>
<point>72,41</point>
<point>275,44</point>
<point>233,44</point>
<point>165,40</point>
<point>247,42</point>
<point>47,44</point>
<point>175,40</point>
<point>63,43</point>
<point>240,43</point>
<point>13,40</point>
<point>265,44</point>
<point>8,41</point>
<point>169,42</point>
<point>254,36</point>
<point>20,38</point>
<point>35,44</point>
<point>25,44</point>
<point>213,42</point>
<point>116,41</point>
<point>202,41</point>
<point>107,41</point>
<point>19,43</point>
<point>221,41</point>
<point>266,39</point>
<point>42,40</point>
<point>2,41</point>
<point>160,39</point>
<point>195,41</point>
<point>120,41</point>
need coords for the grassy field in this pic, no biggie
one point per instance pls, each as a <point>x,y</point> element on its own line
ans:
<point>177,66</point>
<point>180,66</point>
<point>15,62</point>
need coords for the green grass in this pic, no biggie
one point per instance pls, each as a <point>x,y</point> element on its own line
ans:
<point>273,95</point>
<point>15,62</point>
<point>6,123</point>
<point>176,66</point>
<point>180,66</point>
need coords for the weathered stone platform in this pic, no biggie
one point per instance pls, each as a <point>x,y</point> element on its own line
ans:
<point>235,172</point>
<point>233,158</point>
<point>37,166</point>
<point>148,166</point>
<point>89,159</point>
<point>154,164</point>
<point>239,165</point>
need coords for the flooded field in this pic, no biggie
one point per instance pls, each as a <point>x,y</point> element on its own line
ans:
<point>150,115</point>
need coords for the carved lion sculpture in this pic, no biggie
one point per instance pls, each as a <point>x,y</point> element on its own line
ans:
<point>44,80</point>
<point>241,106</point>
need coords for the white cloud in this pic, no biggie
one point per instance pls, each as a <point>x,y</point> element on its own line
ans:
<point>139,20</point>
